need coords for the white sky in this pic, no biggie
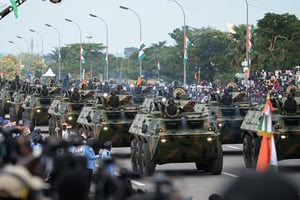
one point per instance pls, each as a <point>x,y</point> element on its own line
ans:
<point>158,18</point>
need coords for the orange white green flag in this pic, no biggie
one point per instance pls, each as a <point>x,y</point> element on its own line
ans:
<point>267,157</point>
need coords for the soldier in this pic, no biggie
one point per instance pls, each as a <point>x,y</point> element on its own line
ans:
<point>171,108</point>
<point>75,95</point>
<point>290,105</point>
<point>226,98</point>
<point>113,101</point>
<point>44,91</point>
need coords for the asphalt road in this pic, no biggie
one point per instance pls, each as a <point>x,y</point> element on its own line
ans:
<point>200,185</point>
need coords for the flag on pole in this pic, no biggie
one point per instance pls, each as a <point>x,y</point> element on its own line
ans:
<point>158,66</point>
<point>187,44</point>
<point>82,54</point>
<point>3,74</point>
<point>138,82</point>
<point>15,73</point>
<point>250,31</point>
<point>83,78</point>
<point>13,5</point>
<point>75,73</point>
<point>267,157</point>
<point>141,50</point>
<point>247,75</point>
<point>90,72</point>
<point>196,76</point>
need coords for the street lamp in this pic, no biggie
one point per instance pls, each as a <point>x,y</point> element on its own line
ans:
<point>34,31</point>
<point>126,8</point>
<point>27,50</point>
<point>247,53</point>
<point>69,20</point>
<point>19,53</point>
<point>106,56</point>
<point>59,56</point>
<point>184,35</point>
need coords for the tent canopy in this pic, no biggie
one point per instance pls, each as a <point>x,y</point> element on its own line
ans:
<point>49,73</point>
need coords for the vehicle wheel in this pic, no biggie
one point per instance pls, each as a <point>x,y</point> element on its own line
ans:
<point>247,151</point>
<point>139,157</point>
<point>133,154</point>
<point>255,145</point>
<point>12,114</point>
<point>202,166</point>
<point>50,127</point>
<point>148,164</point>
<point>216,165</point>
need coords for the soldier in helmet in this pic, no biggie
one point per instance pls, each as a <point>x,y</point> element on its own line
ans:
<point>290,105</point>
<point>75,95</point>
<point>171,108</point>
<point>226,98</point>
<point>113,101</point>
<point>44,91</point>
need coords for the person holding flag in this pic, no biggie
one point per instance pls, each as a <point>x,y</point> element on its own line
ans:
<point>267,157</point>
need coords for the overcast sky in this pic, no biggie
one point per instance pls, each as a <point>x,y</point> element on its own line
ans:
<point>158,18</point>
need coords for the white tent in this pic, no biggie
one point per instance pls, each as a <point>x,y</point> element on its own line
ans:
<point>49,73</point>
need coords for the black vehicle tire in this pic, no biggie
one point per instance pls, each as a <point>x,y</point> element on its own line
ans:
<point>12,114</point>
<point>133,154</point>
<point>247,152</point>
<point>148,164</point>
<point>216,165</point>
<point>139,157</point>
<point>202,166</point>
<point>255,146</point>
<point>51,129</point>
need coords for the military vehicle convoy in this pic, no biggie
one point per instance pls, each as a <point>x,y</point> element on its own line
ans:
<point>106,120</point>
<point>161,135</point>
<point>36,105</point>
<point>66,109</point>
<point>285,126</point>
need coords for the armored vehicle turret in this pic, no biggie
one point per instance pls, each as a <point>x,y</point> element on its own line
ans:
<point>176,131</point>
<point>66,110</point>
<point>285,127</point>
<point>109,119</point>
<point>36,106</point>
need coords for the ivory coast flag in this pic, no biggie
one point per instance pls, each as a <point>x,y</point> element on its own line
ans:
<point>83,78</point>
<point>267,157</point>
<point>138,82</point>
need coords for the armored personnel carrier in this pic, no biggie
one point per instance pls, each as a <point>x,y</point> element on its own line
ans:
<point>229,114</point>
<point>36,105</point>
<point>109,120</point>
<point>66,109</point>
<point>285,126</point>
<point>162,134</point>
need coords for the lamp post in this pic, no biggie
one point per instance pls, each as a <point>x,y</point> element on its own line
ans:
<point>184,36</point>
<point>19,53</point>
<point>106,56</point>
<point>34,31</point>
<point>69,20</point>
<point>27,50</point>
<point>247,53</point>
<point>59,56</point>
<point>126,8</point>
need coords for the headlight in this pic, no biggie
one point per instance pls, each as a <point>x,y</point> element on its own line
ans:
<point>220,124</point>
<point>132,85</point>
<point>163,99</point>
<point>7,101</point>
<point>283,137</point>
<point>209,139</point>
<point>38,110</point>
<point>105,94</point>
<point>70,118</point>
<point>163,140</point>
<point>211,129</point>
<point>159,130</point>
<point>105,128</point>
